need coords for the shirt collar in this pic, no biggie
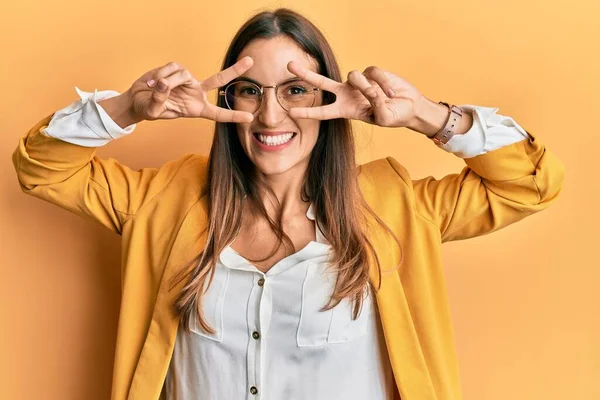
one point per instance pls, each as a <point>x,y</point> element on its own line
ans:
<point>321,247</point>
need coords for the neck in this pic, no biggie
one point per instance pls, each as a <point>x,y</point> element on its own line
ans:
<point>287,189</point>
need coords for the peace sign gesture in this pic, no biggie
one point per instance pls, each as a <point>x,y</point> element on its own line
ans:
<point>375,96</point>
<point>171,91</point>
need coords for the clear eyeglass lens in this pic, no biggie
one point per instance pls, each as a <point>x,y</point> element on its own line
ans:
<point>245,96</point>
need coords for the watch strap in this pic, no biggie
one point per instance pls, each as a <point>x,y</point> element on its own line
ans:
<point>445,134</point>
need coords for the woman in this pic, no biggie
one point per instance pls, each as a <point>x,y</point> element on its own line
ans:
<point>276,268</point>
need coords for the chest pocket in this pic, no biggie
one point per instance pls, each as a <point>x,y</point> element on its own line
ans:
<point>317,328</point>
<point>212,306</point>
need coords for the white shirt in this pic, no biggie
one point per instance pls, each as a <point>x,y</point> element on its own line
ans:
<point>271,340</point>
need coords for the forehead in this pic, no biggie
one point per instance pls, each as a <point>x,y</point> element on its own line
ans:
<point>271,57</point>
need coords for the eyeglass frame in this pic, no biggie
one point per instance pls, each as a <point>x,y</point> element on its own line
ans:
<point>223,92</point>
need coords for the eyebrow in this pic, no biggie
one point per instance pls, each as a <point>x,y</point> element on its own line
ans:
<point>245,78</point>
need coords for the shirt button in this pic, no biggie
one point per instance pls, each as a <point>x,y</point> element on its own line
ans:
<point>261,282</point>
<point>253,390</point>
<point>255,335</point>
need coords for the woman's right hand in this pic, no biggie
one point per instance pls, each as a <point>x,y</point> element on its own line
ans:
<point>184,96</point>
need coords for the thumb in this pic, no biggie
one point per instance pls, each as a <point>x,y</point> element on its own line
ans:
<point>160,94</point>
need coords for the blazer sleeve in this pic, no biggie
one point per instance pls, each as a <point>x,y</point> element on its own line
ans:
<point>74,178</point>
<point>494,190</point>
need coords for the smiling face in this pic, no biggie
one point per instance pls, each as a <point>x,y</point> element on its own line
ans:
<point>266,140</point>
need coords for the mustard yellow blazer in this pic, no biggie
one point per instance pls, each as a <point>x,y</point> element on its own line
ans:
<point>159,212</point>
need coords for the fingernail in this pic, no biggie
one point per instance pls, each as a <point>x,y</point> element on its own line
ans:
<point>391,93</point>
<point>161,86</point>
<point>151,82</point>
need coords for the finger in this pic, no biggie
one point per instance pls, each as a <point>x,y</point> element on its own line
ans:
<point>160,94</point>
<point>313,78</point>
<point>163,72</point>
<point>371,91</point>
<point>221,78</point>
<point>378,75</point>
<point>330,111</point>
<point>221,114</point>
<point>177,78</point>
<point>163,88</point>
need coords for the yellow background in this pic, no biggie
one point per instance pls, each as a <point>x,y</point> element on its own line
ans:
<point>524,300</point>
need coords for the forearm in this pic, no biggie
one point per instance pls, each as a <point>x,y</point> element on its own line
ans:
<point>120,110</point>
<point>431,117</point>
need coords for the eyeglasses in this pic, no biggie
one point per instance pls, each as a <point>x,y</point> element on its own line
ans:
<point>247,96</point>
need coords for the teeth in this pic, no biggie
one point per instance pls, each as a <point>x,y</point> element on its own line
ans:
<point>275,140</point>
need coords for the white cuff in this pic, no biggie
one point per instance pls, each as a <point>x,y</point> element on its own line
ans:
<point>85,122</point>
<point>489,132</point>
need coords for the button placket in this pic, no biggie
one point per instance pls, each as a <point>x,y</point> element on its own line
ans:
<point>259,315</point>
<point>265,312</point>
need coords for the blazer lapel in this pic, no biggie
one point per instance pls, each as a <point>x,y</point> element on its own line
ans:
<point>151,370</point>
<point>404,350</point>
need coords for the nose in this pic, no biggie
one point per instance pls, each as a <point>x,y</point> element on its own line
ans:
<point>270,113</point>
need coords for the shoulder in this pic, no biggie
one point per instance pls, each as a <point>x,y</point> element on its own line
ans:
<point>191,170</point>
<point>194,162</point>
<point>385,183</point>
<point>387,187</point>
<point>384,171</point>
<point>182,179</point>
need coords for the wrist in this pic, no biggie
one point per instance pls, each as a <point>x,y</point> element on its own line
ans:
<point>120,109</point>
<point>429,118</point>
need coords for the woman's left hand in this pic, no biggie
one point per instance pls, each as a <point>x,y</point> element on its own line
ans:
<point>364,96</point>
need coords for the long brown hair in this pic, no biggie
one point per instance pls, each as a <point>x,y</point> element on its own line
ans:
<point>330,183</point>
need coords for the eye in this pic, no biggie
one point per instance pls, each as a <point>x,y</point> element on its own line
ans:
<point>295,90</point>
<point>249,91</point>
